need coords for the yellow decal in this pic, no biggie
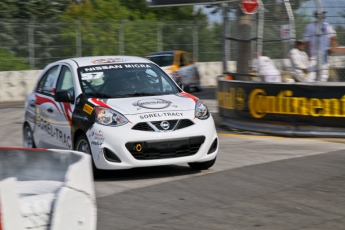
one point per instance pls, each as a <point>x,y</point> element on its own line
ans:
<point>88,109</point>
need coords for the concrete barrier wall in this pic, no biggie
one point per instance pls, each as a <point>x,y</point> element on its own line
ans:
<point>46,190</point>
<point>15,85</point>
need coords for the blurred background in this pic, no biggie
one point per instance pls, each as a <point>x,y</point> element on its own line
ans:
<point>34,33</point>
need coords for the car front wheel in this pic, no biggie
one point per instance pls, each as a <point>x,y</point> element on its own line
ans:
<point>28,137</point>
<point>202,165</point>
<point>82,145</point>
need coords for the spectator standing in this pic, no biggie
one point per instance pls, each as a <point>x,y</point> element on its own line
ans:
<point>264,66</point>
<point>323,43</point>
<point>301,68</point>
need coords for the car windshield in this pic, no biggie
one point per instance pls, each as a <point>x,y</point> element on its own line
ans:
<point>125,80</point>
<point>162,60</point>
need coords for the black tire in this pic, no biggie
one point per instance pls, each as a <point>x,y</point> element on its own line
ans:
<point>82,145</point>
<point>28,137</point>
<point>202,165</point>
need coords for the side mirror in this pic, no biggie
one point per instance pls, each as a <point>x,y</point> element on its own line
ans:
<point>64,96</point>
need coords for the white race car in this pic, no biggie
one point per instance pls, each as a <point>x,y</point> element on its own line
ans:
<point>123,110</point>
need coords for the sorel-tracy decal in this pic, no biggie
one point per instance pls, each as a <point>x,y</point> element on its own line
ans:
<point>88,109</point>
<point>160,115</point>
<point>48,128</point>
<point>152,103</point>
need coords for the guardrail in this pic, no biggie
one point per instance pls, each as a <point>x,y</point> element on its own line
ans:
<point>298,109</point>
<point>46,189</point>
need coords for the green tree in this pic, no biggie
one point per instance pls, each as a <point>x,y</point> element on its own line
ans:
<point>27,30</point>
<point>103,22</point>
<point>11,62</point>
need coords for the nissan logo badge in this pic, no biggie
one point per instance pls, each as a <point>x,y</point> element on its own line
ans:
<point>165,125</point>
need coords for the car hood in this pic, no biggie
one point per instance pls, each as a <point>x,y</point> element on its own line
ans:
<point>138,105</point>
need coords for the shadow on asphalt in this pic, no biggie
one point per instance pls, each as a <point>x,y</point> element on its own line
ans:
<point>146,173</point>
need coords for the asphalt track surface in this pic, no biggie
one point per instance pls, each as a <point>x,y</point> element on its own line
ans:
<point>258,182</point>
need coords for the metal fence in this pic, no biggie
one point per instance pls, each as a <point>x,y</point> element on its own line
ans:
<point>41,42</point>
<point>273,32</point>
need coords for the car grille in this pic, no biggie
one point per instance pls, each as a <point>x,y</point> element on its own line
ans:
<point>155,126</point>
<point>163,149</point>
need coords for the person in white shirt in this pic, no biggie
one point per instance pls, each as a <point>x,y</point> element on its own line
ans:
<point>266,68</point>
<point>302,70</point>
<point>324,44</point>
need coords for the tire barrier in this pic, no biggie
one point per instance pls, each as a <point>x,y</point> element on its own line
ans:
<point>46,189</point>
<point>297,109</point>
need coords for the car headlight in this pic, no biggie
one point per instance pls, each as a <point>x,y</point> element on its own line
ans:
<point>201,111</point>
<point>105,116</point>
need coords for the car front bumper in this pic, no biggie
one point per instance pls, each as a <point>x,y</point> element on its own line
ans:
<point>136,148</point>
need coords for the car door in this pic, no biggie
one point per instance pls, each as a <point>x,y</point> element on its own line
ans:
<point>61,122</point>
<point>45,107</point>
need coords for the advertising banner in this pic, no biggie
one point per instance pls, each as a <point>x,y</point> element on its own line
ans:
<point>285,104</point>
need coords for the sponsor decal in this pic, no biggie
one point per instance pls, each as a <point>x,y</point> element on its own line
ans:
<point>260,104</point>
<point>152,103</point>
<point>54,132</point>
<point>96,143</point>
<point>105,67</point>
<point>109,60</point>
<point>97,135</point>
<point>84,118</point>
<point>161,115</point>
<point>137,66</point>
<point>88,109</point>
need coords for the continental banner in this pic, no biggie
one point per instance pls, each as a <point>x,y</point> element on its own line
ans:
<point>286,104</point>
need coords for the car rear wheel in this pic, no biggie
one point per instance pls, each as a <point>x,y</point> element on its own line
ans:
<point>28,137</point>
<point>82,145</point>
<point>202,165</point>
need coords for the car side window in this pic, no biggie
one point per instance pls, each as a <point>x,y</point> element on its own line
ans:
<point>65,81</point>
<point>46,84</point>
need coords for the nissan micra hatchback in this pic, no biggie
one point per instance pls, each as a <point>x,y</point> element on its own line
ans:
<point>124,111</point>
